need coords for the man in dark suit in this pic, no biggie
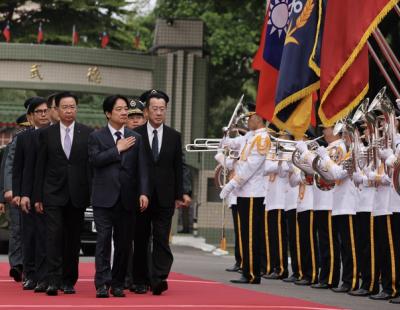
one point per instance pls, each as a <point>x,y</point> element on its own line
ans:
<point>33,224</point>
<point>164,160</point>
<point>62,192</point>
<point>120,187</point>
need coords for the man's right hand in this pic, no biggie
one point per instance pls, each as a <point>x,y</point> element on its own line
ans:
<point>39,207</point>
<point>8,195</point>
<point>125,144</point>
<point>2,208</point>
<point>25,204</point>
<point>16,201</point>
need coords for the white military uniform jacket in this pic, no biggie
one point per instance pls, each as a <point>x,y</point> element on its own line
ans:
<point>345,193</point>
<point>249,172</point>
<point>322,200</point>
<point>305,194</point>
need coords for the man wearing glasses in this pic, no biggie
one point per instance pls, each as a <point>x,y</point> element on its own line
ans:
<point>33,225</point>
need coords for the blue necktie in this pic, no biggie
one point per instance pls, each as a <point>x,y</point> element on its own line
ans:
<point>154,145</point>
<point>119,135</point>
<point>67,142</point>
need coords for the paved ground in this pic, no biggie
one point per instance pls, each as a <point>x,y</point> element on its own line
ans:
<point>207,266</point>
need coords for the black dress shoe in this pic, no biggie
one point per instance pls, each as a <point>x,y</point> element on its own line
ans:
<point>160,287</point>
<point>274,276</point>
<point>69,289</point>
<point>303,282</point>
<point>381,296</point>
<point>52,290</point>
<point>29,285</point>
<point>234,268</point>
<point>360,293</point>
<point>41,287</point>
<point>102,292</point>
<point>341,289</point>
<point>395,300</point>
<point>322,286</point>
<point>117,292</point>
<point>244,280</point>
<point>290,279</point>
<point>139,288</point>
<point>16,273</point>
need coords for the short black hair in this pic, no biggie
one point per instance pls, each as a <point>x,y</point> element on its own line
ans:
<point>50,99</point>
<point>109,102</point>
<point>65,94</point>
<point>34,102</point>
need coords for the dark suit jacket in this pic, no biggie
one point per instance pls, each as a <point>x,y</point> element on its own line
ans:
<point>117,176</point>
<point>57,178</point>
<point>23,150</point>
<point>166,172</point>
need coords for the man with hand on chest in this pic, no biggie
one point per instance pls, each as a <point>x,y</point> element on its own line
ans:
<point>119,188</point>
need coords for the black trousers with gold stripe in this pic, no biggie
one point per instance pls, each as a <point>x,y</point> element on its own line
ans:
<point>343,226</point>
<point>329,261</point>
<point>277,242</point>
<point>385,262</point>
<point>250,227</point>
<point>306,246</point>
<point>396,246</point>
<point>235,217</point>
<point>291,221</point>
<point>364,227</point>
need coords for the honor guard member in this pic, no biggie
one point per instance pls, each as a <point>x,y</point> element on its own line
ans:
<point>277,267</point>
<point>322,206</point>
<point>291,194</point>
<point>345,198</point>
<point>306,249</point>
<point>248,183</point>
<point>384,239</point>
<point>229,164</point>
<point>33,224</point>
<point>364,223</point>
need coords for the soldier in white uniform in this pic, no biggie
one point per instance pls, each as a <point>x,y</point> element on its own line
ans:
<point>306,238</point>
<point>345,198</point>
<point>386,229</point>
<point>291,195</point>
<point>326,240</point>
<point>248,183</point>
<point>232,200</point>
<point>276,222</point>
<point>365,230</point>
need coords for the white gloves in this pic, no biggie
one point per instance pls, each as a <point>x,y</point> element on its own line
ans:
<point>322,152</point>
<point>270,167</point>
<point>220,158</point>
<point>228,188</point>
<point>385,181</point>
<point>301,146</point>
<point>389,162</point>
<point>385,153</point>
<point>359,178</point>
<point>283,169</point>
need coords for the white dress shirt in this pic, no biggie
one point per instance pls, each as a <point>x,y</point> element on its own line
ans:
<point>150,130</point>
<point>63,132</point>
<point>113,131</point>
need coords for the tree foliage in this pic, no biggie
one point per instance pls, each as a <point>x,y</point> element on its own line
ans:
<point>91,18</point>
<point>233,30</point>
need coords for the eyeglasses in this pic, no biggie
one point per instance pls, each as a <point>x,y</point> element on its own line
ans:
<point>43,111</point>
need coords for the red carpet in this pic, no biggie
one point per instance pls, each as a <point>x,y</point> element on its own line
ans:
<point>185,292</point>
